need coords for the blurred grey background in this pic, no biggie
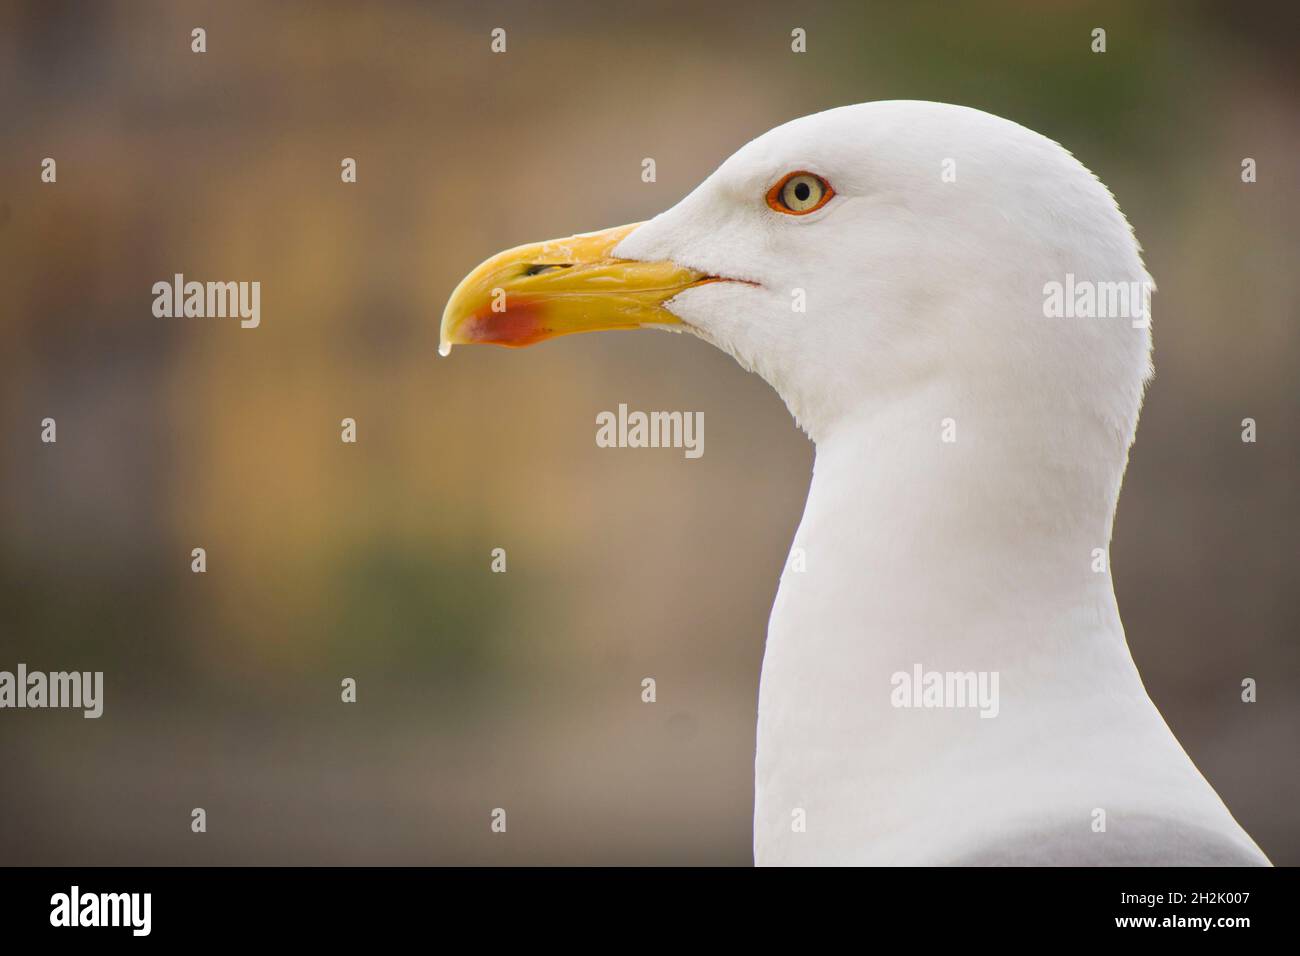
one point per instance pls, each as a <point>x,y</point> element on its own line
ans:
<point>479,690</point>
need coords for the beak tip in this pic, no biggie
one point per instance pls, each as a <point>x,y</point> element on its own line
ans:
<point>447,327</point>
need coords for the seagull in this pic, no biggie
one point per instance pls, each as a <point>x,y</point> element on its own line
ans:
<point>895,271</point>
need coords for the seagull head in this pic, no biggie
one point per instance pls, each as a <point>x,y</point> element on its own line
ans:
<point>858,257</point>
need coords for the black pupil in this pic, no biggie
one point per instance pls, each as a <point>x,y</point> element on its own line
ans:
<point>802,192</point>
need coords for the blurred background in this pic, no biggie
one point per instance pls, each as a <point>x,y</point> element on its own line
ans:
<point>327,560</point>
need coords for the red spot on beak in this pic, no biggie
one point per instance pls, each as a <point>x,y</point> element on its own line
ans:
<point>518,326</point>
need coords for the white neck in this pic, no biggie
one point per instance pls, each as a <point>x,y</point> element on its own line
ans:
<point>975,555</point>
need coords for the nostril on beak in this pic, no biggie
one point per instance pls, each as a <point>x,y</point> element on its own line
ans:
<point>539,268</point>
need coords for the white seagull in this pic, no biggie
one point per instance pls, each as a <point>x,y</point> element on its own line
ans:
<point>954,309</point>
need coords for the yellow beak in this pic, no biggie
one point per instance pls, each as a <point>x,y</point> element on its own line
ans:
<point>532,293</point>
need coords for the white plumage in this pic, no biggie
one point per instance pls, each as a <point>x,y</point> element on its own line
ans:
<point>925,320</point>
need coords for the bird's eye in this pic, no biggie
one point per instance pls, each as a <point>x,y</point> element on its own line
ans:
<point>800,193</point>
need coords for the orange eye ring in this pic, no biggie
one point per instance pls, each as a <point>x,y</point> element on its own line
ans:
<point>776,197</point>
